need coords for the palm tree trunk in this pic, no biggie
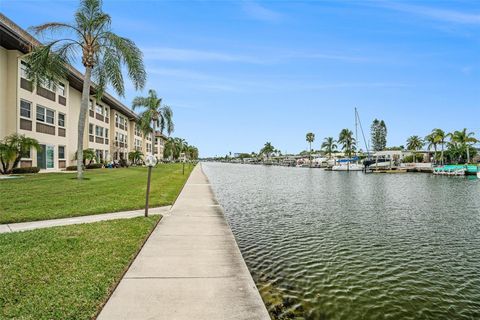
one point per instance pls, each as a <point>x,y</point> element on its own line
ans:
<point>468,154</point>
<point>442,154</point>
<point>82,119</point>
<point>310,154</point>
<point>154,138</point>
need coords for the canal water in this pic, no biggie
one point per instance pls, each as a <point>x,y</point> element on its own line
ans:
<point>345,245</point>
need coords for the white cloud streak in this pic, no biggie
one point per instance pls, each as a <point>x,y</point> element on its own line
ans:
<point>444,15</point>
<point>261,13</point>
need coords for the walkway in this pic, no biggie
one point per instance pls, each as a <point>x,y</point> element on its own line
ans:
<point>190,267</point>
<point>25,226</point>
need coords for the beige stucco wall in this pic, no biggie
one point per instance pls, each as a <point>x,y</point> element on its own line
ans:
<point>11,94</point>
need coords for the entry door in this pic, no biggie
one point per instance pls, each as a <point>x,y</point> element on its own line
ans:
<point>41,157</point>
<point>50,157</point>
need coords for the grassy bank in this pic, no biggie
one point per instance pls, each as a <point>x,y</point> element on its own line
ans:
<point>59,195</point>
<point>66,272</point>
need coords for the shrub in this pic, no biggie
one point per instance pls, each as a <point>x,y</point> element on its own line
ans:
<point>25,170</point>
<point>71,168</point>
<point>409,159</point>
<point>123,163</point>
<point>94,166</point>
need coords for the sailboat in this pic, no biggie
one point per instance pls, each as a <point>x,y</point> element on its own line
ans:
<point>351,164</point>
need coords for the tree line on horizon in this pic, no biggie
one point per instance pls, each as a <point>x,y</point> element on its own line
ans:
<point>454,147</point>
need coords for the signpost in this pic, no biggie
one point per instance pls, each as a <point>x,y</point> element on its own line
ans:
<point>182,155</point>
<point>150,162</point>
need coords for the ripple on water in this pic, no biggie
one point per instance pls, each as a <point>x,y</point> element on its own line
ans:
<point>330,245</point>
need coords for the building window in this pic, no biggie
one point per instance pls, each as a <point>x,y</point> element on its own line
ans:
<point>45,115</point>
<point>106,112</point>
<point>106,133</point>
<point>23,69</point>
<point>99,131</point>
<point>25,109</point>
<point>50,116</point>
<point>61,89</point>
<point>61,120</point>
<point>90,128</point>
<point>99,109</point>
<point>61,152</point>
<point>90,105</point>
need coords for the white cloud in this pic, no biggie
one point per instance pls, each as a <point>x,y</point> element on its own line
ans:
<point>435,13</point>
<point>258,12</point>
<point>176,54</point>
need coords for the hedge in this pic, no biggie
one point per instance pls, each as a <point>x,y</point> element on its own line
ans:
<point>25,170</point>
<point>94,166</point>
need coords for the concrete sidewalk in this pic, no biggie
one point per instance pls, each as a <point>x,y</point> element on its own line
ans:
<point>190,267</point>
<point>25,226</point>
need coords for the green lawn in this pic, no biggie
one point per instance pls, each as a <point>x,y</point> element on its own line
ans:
<point>59,195</point>
<point>66,272</point>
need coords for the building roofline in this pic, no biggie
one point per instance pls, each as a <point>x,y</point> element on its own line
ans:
<point>24,42</point>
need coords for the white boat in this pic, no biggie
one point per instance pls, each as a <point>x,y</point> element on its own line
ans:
<point>348,167</point>
<point>478,175</point>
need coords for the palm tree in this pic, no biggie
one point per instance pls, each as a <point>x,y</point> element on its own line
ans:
<point>13,148</point>
<point>154,115</point>
<point>103,55</point>
<point>464,139</point>
<point>347,141</point>
<point>310,137</point>
<point>432,142</point>
<point>440,137</point>
<point>87,154</point>
<point>329,146</point>
<point>135,156</point>
<point>267,150</point>
<point>414,143</point>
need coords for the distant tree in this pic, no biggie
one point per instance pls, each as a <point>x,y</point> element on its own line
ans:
<point>310,137</point>
<point>440,138</point>
<point>378,132</point>
<point>347,141</point>
<point>88,155</point>
<point>414,143</point>
<point>329,146</point>
<point>464,139</point>
<point>13,148</point>
<point>432,142</point>
<point>135,156</point>
<point>267,150</point>
<point>155,114</point>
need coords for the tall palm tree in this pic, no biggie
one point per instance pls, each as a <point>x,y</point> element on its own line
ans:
<point>414,143</point>
<point>440,137</point>
<point>310,137</point>
<point>347,141</point>
<point>432,142</point>
<point>103,54</point>
<point>464,139</point>
<point>267,150</point>
<point>155,115</point>
<point>13,148</point>
<point>329,145</point>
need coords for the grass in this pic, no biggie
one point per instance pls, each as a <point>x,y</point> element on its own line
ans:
<point>66,272</point>
<point>59,195</point>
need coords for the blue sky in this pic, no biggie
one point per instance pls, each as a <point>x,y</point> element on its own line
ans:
<point>240,73</point>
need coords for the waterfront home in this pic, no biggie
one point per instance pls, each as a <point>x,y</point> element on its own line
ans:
<point>50,114</point>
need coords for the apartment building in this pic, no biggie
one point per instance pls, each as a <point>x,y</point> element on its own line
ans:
<point>50,114</point>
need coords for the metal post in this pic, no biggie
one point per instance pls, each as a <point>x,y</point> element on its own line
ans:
<point>148,190</point>
<point>183,167</point>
